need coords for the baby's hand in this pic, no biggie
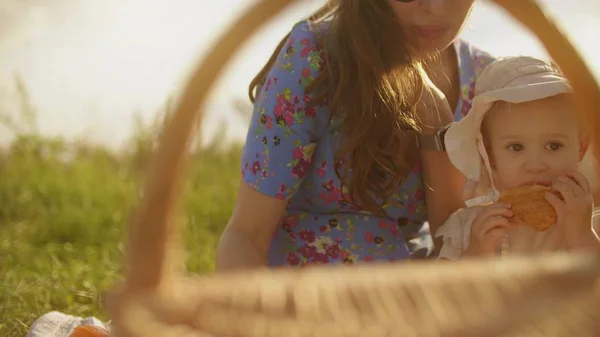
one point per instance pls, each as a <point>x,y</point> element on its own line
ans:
<point>488,229</point>
<point>574,214</point>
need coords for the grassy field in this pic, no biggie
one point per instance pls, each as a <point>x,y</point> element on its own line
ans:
<point>63,208</point>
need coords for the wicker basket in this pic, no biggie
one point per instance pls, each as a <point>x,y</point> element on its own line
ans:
<point>543,296</point>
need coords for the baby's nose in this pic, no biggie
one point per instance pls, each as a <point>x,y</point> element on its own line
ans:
<point>536,164</point>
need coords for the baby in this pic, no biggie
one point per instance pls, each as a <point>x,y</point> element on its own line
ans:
<point>520,130</point>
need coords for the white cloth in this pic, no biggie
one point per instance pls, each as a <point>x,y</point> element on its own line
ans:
<point>456,233</point>
<point>58,324</point>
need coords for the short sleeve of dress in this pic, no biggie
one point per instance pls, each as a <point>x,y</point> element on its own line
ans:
<point>283,131</point>
<point>456,233</point>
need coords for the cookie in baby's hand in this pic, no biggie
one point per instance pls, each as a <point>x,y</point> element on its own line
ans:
<point>529,206</point>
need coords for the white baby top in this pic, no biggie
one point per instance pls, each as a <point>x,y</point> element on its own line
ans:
<point>456,234</point>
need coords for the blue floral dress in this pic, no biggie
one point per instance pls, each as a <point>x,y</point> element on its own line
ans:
<point>289,154</point>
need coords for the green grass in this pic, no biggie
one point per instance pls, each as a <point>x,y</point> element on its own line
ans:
<point>63,208</point>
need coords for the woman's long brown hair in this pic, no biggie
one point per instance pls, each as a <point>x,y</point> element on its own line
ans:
<point>372,82</point>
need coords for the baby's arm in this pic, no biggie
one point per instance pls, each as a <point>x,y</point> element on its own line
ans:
<point>474,232</point>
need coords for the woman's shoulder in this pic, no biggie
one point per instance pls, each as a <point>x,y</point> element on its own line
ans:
<point>301,57</point>
<point>287,122</point>
<point>313,31</point>
<point>307,37</point>
<point>476,58</point>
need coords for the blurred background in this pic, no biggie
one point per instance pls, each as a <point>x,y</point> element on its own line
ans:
<point>89,66</point>
<point>84,85</point>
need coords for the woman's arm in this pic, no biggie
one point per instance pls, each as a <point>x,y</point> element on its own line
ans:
<point>247,236</point>
<point>443,185</point>
<point>277,153</point>
<point>592,242</point>
<point>443,182</point>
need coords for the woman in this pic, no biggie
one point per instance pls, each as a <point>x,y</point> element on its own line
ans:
<point>340,95</point>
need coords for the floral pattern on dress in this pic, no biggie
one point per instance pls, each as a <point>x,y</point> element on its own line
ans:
<point>470,71</point>
<point>289,154</point>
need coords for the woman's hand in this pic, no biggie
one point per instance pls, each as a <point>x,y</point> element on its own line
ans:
<point>488,229</point>
<point>574,214</point>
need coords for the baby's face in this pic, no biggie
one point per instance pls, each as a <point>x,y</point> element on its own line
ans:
<point>533,142</point>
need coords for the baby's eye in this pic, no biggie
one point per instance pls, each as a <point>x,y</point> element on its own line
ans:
<point>554,146</point>
<point>515,147</point>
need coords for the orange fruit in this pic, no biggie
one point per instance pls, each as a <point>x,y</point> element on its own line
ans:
<point>89,331</point>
